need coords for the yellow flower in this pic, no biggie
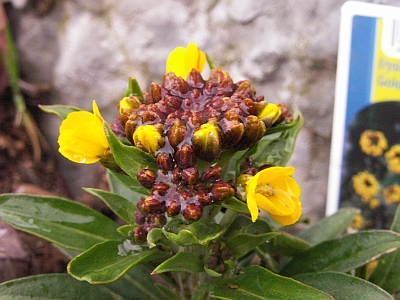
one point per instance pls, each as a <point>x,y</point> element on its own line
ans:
<point>207,141</point>
<point>82,138</point>
<point>269,114</point>
<point>392,194</point>
<point>393,159</point>
<point>373,143</point>
<point>374,203</point>
<point>148,138</point>
<point>181,61</point>
<point>358,222</point>
<point>128,103</point>
<point>366,185</point>
<point>275,191</point>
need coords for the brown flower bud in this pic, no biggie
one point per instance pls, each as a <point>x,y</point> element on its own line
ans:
<point>176,174</point>
<point>155,92</point>
<point>248,106</point>
<point>232,132</point>
<point>168,80</point>
<point>226,87</point>
<point>284,113</point>
<point>139,218</point>
<point>195,80</point>
<point>152,204</point>
<point>211,262</point>
<point>176,133</point>
<point>203,198</point>
<point>173,208</point>
<point>221,190</point>
<point>158,220</point>
<point>180,87</point>
<point>185,157</point>
<point>244,90</point>
<point>253,132</point>
<point>192,212</point>
<point>226,254</point>
<point>147,178</point>
<point>164,162</point>
<point>173,101</point>
<point>160,188</point>
<point>130,126</point>
<point>217,76</point>
<point>140,234</point>
<point>190,175</point>
<point>211,174</point>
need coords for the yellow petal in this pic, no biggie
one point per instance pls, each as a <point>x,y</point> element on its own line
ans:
<point>176,62</point>
<point>194,58</point>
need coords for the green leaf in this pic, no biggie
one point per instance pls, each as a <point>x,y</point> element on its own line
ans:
<point>235,204</point>
<point>167,293</point>
<point>181,262</point>
<point>196,233</point>
<point>343,286</point>
<point>60,221</point>
<point>119,205</point>
<point>129,158</point>
<point>259,283</point>
<point>126,230</point>
<point>244,243</point>
<point>133,89</point>
<point>126,186</point>
<point>108,261</point>
<point>244,225</point>
<point>285,244</point>
<point>61,111</point>
<point>137,284</point>
<point>345,253</point>
<point>277,148</point>
<point>329,227</point>
<point>54,287</point>
<point>387,273</point>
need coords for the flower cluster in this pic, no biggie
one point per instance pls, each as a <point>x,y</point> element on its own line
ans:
<point>185,123</point>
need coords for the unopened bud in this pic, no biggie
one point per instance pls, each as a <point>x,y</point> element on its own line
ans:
<point>253,132</point>
<point>203,198</point>
<point>164,162</point>
<point>173,208</point>
<point>140,234</point>
<point>176,133</point>
<point>195,80</point>
<point>232,132</point>
<point>217,76</point>
<point>221,190</point>
<point>146,178</point>
<point>180,87</point>
<point>192,212</point>
<point>168,80</point>
<point>158,220</point>
<point>269,114</point>
<point>155,92</point>
<point>285,115</point>
<point>152,204</point>
<point>185,157</point>
<point>211,174</point>
<point>149,138</point>
<point>244,90</point>
<point>128,103</point>
<point>160,188</point>
<point>190,175</point>
<point>139,218</point>
<point>207,141</point>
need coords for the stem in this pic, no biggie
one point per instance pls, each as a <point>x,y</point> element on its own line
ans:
<point>228,218</point>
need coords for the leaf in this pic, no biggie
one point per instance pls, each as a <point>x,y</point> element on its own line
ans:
<point>61,111</point>
<point>387,273</point>
<point>108,261</point>
<point>181,262</point>
<point>167,293</point>
<point>54,287</point>
<point>244,243</point>
<point>60,221</point>
<point>329,227</point>
<point>129,158</point>
<point>343,286</point>
<point>133,89</point>
<point>285,244</point>
<point>136,284</point>
<point>345,253</point>
<point>277,148</point>
<point>234,204</point>
<point>259,283</point>
<point>119,205</point>
<point>196,233</point>
<point>126,186</point>
<point>244,225</point>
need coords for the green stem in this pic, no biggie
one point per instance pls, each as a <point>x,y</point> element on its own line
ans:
<point>228,218</point>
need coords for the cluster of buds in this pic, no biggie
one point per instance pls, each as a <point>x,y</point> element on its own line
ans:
<point>198,117</point>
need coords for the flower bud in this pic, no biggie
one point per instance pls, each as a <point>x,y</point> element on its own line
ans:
<point>160,188</point>
<point>254,130</point>
<point>128,102</point>
<point>207,141</point>
<point>192,212</point>
<point>149,138</point>
<point>248,106</point>
<point>139,218</point>
<point>190,175</point>
<point>180,87</point>
<point>221,190</point>
<point>164,162</point>
<point>176,133</point>
<point>232,132</point>
<point>151,204</point>
<point>203,198</point>
<point>155,90</point>
<point>269,114</point>
<point>244,90</point>
<point>168,80</point>
<point>211,174</point>
<point>285,115</point>
<point>140,234</point>
<point>195,80</point>
<point>173,208</point>
<point>185,157</point>
<point>159,220</point>
<point>176,174</point>
<point>146,178</point>
<point>217,76</point>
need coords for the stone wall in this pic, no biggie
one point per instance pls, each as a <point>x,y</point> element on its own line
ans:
<point>87,50</point>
